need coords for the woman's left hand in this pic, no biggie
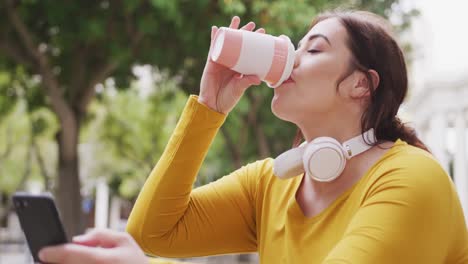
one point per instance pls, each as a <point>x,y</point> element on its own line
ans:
<point>98,246</point>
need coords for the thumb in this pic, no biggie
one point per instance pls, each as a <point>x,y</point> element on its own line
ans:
<point>70,254</point>
<point>245,81</point>
<point>100,237</point>
<point>214,30</point>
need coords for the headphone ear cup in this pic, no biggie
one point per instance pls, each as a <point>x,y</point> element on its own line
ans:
<point>289,164</point>
<point>324,159</point>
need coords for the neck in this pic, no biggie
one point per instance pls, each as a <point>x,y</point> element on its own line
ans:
<point>340,126</point>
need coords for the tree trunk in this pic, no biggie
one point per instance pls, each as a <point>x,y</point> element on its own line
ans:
<point>68,194</point>
<point>254,121</point>
<point>234,149</point>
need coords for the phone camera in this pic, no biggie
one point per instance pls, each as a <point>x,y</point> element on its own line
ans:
<point>21,204</point>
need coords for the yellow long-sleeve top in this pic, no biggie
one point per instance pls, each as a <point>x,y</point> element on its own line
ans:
<point>403,210</point>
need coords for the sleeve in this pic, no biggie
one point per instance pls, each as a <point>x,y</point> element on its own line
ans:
<point>165,261</point>
<point>171,220</point>
<point>405,217</point>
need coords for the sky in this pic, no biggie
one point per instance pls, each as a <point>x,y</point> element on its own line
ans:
<point>440,39</point>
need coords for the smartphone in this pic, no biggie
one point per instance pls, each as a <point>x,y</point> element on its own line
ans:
<point>40,221</point>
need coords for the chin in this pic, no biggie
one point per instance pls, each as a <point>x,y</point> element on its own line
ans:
<point>278,108</point>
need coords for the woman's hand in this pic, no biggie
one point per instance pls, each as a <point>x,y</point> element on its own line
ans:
<point>98,246</point>
<point>221,87</point>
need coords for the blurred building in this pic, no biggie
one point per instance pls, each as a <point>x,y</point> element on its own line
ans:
<point>438,102</point>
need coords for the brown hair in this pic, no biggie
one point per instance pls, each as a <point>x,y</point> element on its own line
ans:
<point>373,47</point>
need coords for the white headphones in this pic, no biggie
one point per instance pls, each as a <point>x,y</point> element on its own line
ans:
<point>323,159</point>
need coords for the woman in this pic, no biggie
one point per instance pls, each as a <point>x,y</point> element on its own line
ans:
<point>392,203</point>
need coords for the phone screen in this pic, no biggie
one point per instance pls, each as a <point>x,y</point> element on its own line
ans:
<point>39,220</point>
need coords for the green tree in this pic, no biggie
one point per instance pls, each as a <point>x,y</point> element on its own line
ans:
<point>25,138</point>
<point>130,129</point>
<point>72,46</point>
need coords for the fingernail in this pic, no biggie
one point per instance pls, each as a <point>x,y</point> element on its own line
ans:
<point>41,255</point>
<point>79,238</point>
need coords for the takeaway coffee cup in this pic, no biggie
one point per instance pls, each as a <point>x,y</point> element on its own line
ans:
<point>270,58</point>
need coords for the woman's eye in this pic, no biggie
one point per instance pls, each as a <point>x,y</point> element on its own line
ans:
<point>313,51</point>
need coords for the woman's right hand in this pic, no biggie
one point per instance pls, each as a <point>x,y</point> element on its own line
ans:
<point>96,247</point>
<point>221,87</point>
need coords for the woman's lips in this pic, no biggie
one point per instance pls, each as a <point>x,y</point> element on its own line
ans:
<point>289,80</point>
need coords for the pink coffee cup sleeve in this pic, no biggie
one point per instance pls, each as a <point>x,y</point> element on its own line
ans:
<point>279,61</point>
<point>227,47</point>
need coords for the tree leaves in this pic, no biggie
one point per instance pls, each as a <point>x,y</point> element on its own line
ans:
<point>80,38</point>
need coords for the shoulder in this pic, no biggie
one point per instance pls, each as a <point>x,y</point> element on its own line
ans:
<point>410,175</point>
<point>412,164</point>
<point>411,188</point>
<point>258,169</point>
<point>252,174</point>
<point>259,175</point>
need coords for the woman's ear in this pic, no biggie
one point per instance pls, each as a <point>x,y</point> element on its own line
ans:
<point>363,85</point>
<point>375,78</point>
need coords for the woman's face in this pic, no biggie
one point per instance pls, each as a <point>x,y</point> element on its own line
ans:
<point>322,58</point>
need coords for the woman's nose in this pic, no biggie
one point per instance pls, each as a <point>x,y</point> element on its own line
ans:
<point>296,59</point>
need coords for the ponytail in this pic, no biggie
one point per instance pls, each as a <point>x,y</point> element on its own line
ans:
<point>398,130</point>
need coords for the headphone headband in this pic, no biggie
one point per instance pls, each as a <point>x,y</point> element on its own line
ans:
<point>359,144</point>
<point>307,157</point>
